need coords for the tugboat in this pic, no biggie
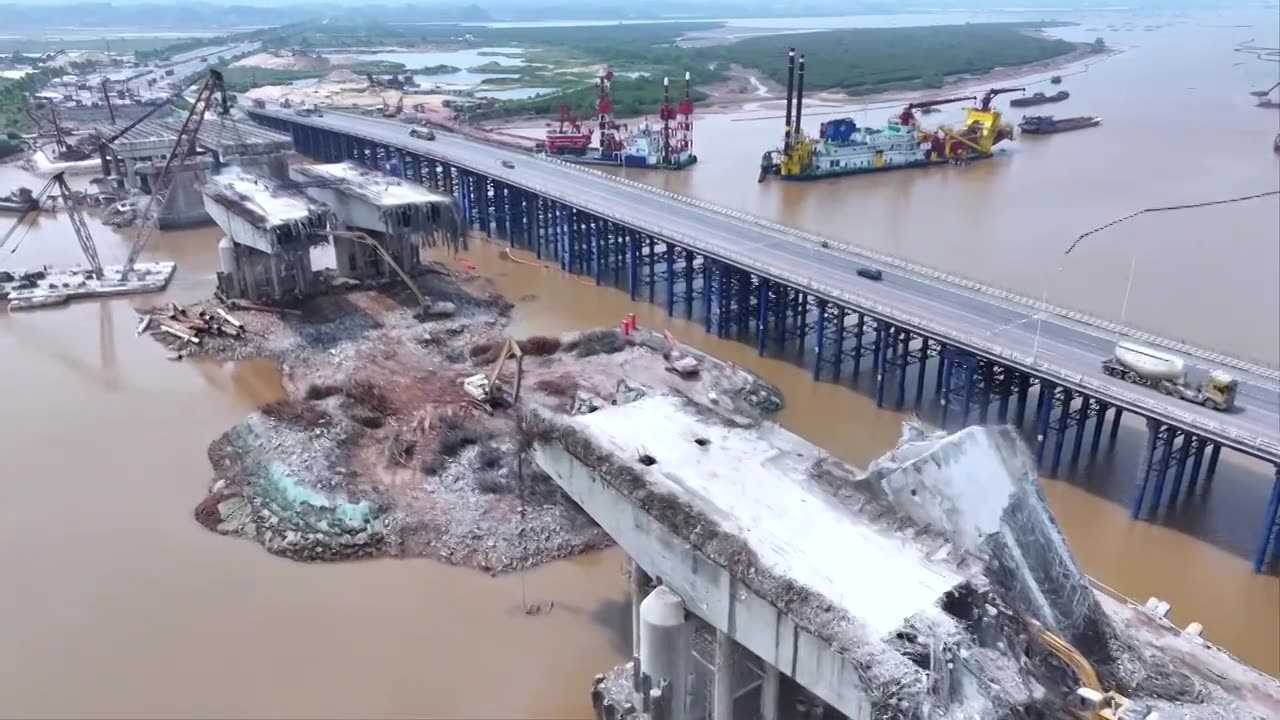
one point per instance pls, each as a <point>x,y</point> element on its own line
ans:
<point>1048,124</point>
<point>1039,99</point>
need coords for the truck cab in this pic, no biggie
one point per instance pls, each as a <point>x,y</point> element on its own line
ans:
<point>1220,390</point>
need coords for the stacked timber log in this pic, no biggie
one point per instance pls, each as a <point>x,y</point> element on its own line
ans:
<point>182,329</point>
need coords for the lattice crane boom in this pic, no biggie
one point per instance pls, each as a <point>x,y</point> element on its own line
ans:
<point>183,148</point>
<point>71,202</point>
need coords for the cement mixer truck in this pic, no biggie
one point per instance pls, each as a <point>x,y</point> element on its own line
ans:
<point>1164,372</point>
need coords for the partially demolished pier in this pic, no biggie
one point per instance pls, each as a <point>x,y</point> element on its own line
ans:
<point>768,576</point>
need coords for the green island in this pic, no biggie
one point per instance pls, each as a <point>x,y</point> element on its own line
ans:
<point>437,70</point>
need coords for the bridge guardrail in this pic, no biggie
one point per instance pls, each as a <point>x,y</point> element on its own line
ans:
<point>1248,443</point>
<point>1262,371</point>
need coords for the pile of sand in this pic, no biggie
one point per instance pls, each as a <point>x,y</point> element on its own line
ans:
<point>284,61</point>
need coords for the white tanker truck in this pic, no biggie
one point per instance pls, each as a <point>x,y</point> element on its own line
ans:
<point>1167,373</point>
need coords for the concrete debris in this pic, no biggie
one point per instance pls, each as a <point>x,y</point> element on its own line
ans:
<point>377,450</point>
<point>981,578</point>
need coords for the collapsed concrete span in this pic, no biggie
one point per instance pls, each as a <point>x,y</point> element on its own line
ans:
<point>909,591</point>
<point>269,232</point>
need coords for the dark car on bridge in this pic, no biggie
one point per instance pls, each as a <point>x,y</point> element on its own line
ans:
<point>508,165</point>
<point>870,273</point>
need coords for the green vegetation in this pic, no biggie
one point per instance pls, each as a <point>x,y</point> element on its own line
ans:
<point>1099,45</point>
<point>437,70</point>
<point>867,60</point>
<point>13,98</point>
<point>241,78</point>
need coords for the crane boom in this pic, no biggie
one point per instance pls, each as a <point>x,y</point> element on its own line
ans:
<point>39,198</point>
<point>183,148</point>
<point>991,94</point>
<point>81,228</point>
<point>908,115</point>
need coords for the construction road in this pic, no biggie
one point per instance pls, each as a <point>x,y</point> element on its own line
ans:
<point>1046,344</point>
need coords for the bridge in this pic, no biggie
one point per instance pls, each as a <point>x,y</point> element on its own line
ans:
<point>797,294</point>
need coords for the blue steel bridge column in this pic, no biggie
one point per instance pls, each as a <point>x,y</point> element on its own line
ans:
<point>596,257</point>
<point>1170,437</point>
<point>925,344</point>
<point>946,368</point>
<point>1184,450</point>
<point>1064,420</point>
<point>879,361</point>
<point>633,261</point>
<point>904,357</point>
<point>706,294</point>
<point>1099,419</point>
<point>1020,409</point>
<point>1082,417</point>
<point>860,332</point>
<point>820,339</point>
<point>1146,466</point>
<point>1213,463</point>
<point>941,378</point>
<point>1044,407</point>
<point>762,318</point>
<point>1005,384</point>
<point>1270,526</point>
<point>1196,462</point>
<point>840,331</point>
<point>687,273</point>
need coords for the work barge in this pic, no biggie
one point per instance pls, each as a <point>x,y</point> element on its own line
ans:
<point>838,334</point>
<point>770,580</point>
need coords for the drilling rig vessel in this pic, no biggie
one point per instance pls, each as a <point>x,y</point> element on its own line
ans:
<point>667,145</point>
<point>844,148</point>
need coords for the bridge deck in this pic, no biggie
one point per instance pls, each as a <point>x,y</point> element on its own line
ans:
<point>1015,331</point>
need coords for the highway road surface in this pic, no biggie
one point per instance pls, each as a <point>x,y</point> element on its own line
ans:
<point>1058,344</point>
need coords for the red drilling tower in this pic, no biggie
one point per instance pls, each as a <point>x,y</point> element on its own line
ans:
<point>684,123</point>
<point>610,140</point>
<point>667,114</point>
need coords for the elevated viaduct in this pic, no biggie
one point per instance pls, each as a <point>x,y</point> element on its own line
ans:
<point>983,350</point>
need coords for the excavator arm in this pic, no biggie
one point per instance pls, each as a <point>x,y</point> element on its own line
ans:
<point>991,94</point>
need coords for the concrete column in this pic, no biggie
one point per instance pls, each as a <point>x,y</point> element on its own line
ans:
<point>724,677</point>
<point>769,693</point>
<point>664,646</point>
<point>639,581</point>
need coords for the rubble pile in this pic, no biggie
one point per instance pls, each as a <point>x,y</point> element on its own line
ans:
<point>182,328</point>
<point>378,449</point>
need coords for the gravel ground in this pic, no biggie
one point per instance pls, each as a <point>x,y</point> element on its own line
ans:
<point>376,450</point>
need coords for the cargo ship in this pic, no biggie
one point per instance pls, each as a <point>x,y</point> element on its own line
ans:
<point>1039,99</point>
<point>1048,124</point>
<point>842,147</point>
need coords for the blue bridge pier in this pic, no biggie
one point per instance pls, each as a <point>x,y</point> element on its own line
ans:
<point>838,341</point>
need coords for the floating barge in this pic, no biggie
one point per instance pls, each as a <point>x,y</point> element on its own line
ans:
<point>1048,124</point>
<point>30,289</point>
<point>1039,99</point>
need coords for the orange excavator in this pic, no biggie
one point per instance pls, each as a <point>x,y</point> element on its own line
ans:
<point>907,118</point>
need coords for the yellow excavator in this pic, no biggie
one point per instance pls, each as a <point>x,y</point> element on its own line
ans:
<point>484,390</point>
<point>1088,702</point>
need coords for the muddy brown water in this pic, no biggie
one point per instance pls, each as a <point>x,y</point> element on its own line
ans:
<point>112,591</point>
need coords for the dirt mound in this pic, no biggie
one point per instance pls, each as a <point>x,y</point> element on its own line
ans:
<point>284,61</point>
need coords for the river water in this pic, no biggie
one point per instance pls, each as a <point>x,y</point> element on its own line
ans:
<point>113,590</point>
